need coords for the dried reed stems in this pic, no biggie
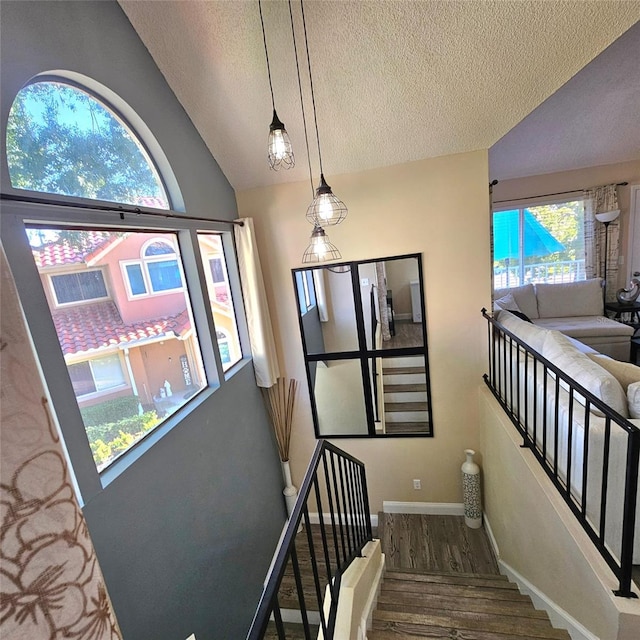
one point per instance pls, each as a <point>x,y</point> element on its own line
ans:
<point>279,400</point>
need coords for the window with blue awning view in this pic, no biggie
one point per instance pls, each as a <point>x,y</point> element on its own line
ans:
<point>543,243</point>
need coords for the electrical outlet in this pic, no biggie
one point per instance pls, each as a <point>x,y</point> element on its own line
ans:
<point>364,282</point>
<point>417,484</point>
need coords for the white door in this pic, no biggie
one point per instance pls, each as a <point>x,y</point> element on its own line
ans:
<point>634,233</point>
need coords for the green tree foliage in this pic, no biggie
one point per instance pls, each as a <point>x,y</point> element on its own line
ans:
<point>62,140</point>
<point>565,223</point>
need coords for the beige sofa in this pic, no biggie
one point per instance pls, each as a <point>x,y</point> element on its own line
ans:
<point>575,309</point>
<point>616,384</point>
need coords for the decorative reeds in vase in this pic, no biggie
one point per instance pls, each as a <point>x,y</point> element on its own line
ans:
<point>279,399</point>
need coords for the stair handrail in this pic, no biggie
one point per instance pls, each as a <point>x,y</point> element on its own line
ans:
<point>353,528</point>
<point>503,390</point>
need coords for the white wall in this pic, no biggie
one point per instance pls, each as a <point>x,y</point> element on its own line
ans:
<point>436,207</point>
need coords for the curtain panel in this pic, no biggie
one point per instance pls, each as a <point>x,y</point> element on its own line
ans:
<point>263,348</point>
<point>599,200</point>
<point>51,586</point>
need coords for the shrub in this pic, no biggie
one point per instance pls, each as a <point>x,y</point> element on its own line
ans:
<point>110,411</point>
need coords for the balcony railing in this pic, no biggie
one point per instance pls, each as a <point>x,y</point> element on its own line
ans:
<point>551,272</point>
<point>344,529</point>
<point>588,450</point>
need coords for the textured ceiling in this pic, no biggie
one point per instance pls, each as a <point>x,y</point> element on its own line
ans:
<point>394,81</point>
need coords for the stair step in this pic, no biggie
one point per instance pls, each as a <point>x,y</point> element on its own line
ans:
<point>404,388</point>
<point>433,604</point>
<point>518,627</point>
<point>404,396</point>
<point>402,378</point>
<point>402,361</point>
<point>460,579</point>
<point>404,407</point>
<point>402,370</point>
<point>406,573</point>
<point>438,633</point>
<point>406,427</point>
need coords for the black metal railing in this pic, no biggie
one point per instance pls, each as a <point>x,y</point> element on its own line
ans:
<point>589,451</point>
<point>309,562</point>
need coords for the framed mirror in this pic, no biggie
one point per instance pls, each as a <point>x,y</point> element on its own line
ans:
<point>364,339</point>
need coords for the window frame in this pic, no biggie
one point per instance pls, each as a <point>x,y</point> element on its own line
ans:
<point>140,135</point>
<point>143,262</point>
<point>98,393</point>
<point>65,410</point>
<point>521,206</point>
<point>63,305</point>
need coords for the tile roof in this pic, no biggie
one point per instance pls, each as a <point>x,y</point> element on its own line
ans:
<point>95,326</point>
<point>63,252</point>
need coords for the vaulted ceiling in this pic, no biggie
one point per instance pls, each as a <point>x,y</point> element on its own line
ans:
<point>394,81</point>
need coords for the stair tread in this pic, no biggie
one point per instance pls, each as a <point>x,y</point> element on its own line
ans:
<point>405,388</point>
<point>406,406</point>
<point>398,370</point>
<point>401,631</point>
<point>406,427</point>
<point>479,580</point>
<point>433,605</point>
<point>398,574</point>
<point>523,627</point>
<point>454,590</point>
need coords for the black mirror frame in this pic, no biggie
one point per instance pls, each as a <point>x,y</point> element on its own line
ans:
<point>363,354</point>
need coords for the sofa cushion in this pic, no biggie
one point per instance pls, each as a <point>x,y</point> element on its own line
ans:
<point>567,299</point>
<point>527,332</point>
<point>633,399</point>
<point>507,302</point>
<point>587,326</point>
<point>624,372</point>
<point>525,298</point>
<point>559,350</point>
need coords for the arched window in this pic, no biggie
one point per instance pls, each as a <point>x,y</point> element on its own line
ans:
<point>156,272</point>
<point>63,140</point>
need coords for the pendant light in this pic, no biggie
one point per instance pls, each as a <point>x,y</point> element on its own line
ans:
<point>320,249</point>
<point>325,209</point>
<point>280,152</point>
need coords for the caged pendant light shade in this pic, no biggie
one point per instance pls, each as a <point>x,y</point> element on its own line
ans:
<point>326,209</point>
<point>280,151</point>
<point>320,249</point>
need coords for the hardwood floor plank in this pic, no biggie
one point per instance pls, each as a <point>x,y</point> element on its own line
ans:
<point>454,590</point>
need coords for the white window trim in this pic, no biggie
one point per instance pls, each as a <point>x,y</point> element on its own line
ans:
<point>98,393</point>
<point>62,305</point>
<point>143,262</point>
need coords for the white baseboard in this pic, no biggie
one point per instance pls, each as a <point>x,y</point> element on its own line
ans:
<point>314,518</point>
<point>560,619</point>
<point>429,508</point>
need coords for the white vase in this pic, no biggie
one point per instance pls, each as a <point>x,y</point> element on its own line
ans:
<point>290,492</point>
<point>471,491</point>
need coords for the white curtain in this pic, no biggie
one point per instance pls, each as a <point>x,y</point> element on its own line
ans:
<point>263,348</point>
<point>321,295</point>
<point>599,200</point>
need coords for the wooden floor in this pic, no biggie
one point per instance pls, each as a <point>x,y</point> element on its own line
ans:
<point>408,334</point>
<point>434,543</point>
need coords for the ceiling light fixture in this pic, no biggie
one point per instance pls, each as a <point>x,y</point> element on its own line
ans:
<point>326,208</point>
<point>320,249</point>
<point>280,152</point>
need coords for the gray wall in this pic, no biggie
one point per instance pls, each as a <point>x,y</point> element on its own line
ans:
<point>185,534</point>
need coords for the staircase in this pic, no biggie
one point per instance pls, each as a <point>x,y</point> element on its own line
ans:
<point>472,606</point>
<point>405,395</point>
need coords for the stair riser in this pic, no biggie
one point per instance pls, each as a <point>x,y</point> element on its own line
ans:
<point>404,361</point>
<point>403,378</point>
<point>407,416</point>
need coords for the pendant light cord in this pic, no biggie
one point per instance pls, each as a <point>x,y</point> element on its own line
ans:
<point>266,53</point>
<point>313,99</point>
<point>304,119</point>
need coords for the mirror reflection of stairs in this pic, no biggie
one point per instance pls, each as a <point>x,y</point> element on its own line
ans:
<point>405,395</point>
